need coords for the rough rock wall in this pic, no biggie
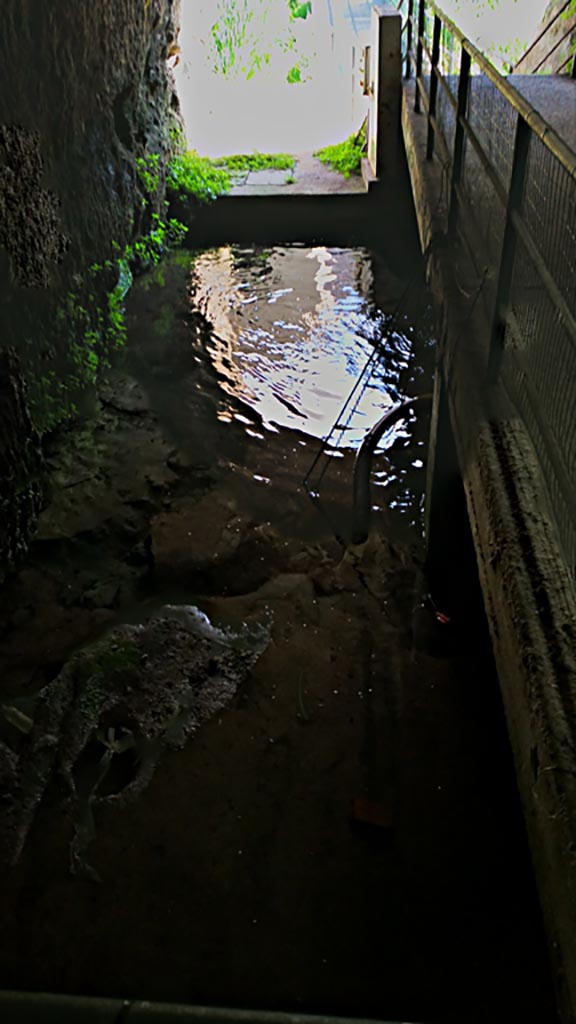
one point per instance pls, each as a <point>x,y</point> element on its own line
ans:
<point>85,90</point>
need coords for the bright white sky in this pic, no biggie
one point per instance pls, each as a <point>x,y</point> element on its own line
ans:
<point>267,114</point>
<point>512,20</point>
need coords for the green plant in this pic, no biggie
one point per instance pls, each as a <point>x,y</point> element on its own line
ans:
<point>90,323</point>
<point>148,168</point>
<point>256,162</point>
<point>191,174</point>
<point>177,137</point>
<point>247,33</point>
<point>289,179</point>
<point>345,157</point>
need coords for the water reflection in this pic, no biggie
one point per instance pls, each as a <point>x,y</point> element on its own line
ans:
<point>291,331</point>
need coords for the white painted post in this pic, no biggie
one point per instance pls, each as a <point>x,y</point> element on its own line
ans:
<point>385,90</point>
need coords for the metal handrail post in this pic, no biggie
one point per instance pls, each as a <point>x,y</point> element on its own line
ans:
<point>419,51</point>
<point>508,254</point>
<point>433,86</point>
<point>409,38</point>
<point>459,135</point>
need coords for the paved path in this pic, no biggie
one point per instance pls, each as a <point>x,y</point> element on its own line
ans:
<point>311,177</point>
<point>554,97</point>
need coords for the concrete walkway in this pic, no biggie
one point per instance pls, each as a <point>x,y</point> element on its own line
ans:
<point>310,178</point>
<point>554,97</point>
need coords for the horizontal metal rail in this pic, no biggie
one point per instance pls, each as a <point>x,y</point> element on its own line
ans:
<point>558,14</point>
<point>513,203</point>
<point>539,126</point>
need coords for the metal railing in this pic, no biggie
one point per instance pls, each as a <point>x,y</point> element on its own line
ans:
<point>548,48</point>
<point>511,199</point>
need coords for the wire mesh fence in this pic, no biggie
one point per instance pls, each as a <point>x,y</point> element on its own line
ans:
<point>515,207</point>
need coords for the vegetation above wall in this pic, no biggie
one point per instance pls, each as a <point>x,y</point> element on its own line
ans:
<point>91,317</point>
<point>345,157</point>
<point>192,175</point>
<point>257,162</point>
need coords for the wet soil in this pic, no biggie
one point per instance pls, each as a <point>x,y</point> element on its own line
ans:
<point>344,837</point>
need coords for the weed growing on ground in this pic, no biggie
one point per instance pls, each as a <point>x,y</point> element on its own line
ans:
<point>256,162</point>
<point>192,175</point>
<point>345,157</point>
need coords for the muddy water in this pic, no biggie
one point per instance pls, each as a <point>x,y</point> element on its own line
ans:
<point>346,836</point>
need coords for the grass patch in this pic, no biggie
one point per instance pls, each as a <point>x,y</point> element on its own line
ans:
<point>345,157</point>
<point>256,162</point>
<point>191,174</point>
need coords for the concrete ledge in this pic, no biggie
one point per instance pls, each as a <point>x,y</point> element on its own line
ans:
<point>163,1013</point>
<point>43,1008</point>
<point>529,595</point>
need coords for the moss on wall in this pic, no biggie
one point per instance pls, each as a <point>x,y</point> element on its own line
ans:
<point>85,94</point>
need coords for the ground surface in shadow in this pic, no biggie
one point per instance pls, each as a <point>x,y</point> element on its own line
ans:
<point>345,836</point>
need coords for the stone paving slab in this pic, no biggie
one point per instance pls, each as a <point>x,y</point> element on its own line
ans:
<point>311,177</point>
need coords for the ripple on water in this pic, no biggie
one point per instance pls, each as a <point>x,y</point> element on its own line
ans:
<point>292,328</point>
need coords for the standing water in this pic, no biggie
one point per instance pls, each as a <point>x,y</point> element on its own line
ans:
<point>344,836</point>
<point>277,339</point>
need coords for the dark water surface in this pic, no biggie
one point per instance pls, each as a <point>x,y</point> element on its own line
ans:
<point>276,339</point>
<point>346,836</point>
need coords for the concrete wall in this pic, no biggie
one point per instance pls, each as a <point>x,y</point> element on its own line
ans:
<point>529,595</point>
<point>385,93</point>
<point>84,91</point>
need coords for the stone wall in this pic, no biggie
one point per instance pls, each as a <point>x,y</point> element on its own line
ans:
<point>85,90</point>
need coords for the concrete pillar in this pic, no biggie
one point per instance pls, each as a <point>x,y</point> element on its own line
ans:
<point>385,93</point>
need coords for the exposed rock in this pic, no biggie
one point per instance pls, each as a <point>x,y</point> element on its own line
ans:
<point>85,92</point>
<point>21,465</point>
<point>124,394</point>
<point>207,543</point>
<point>30,228</point>
<point>139,689</point>
<point>113,460</point>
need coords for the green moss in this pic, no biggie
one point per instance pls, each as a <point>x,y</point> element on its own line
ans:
<point>257,162</point>
<point>345,157</point>
<point>98,668</point>
<point>177,136</point>
<point>148,169</point>
<point>90,323</point>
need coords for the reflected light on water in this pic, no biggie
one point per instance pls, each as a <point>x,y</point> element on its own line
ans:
<point>291,329</point>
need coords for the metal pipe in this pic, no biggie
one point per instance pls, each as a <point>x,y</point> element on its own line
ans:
<point>363,465</point>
